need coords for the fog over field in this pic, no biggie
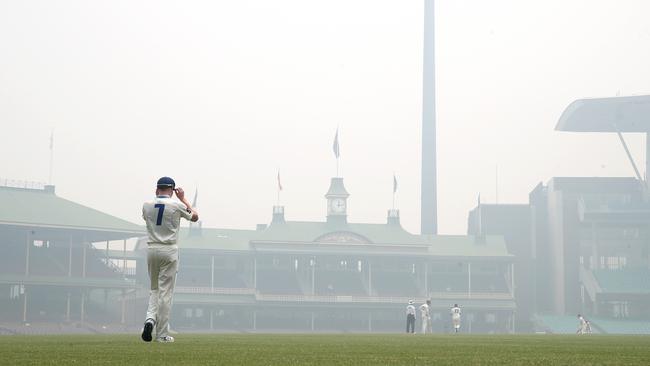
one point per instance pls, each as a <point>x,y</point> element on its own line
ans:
<point>222,95</point>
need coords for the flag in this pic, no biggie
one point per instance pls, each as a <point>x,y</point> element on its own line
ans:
<point>279,183</point>
<point>335,147</point>
<point>394,183</point>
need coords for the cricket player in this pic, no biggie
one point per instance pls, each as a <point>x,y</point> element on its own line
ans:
<point>426,316</point>
<point>410,317</point>
<point>582,325</point>
<point>163,216</point>
<point>455,317</point>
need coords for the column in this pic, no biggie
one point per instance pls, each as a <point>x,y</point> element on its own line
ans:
<point>28,244</point>
<point>369,278</point>
<point>512,279</point>
<point>647,162</point>
<point>469,280</point>
<point>254,319</point>
<point>24,303</point>
<point>426,280</point>
<point>83,261</point>
<point>211,277</point>
<point>83,305</point>
<point>312,321</point>
<point>211,319</point>
<point>255,272</point>
<point>124,257</point>
<point>123,320</point>
<point>313,277</point>
<point>67,308</point>
<point>595,260</point>
<point>70,258</point>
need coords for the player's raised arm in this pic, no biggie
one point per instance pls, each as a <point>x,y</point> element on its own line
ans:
<point>180,193</point>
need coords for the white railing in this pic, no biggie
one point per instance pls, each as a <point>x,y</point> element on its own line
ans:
<point>342,298</point>
<point>14,183</point>
<point>216,290</point>
<point>381,299</point>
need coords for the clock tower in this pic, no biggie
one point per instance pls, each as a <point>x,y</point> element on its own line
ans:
<point>337,202</point>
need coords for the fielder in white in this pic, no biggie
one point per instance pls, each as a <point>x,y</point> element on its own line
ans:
<point>426,317</point>
<point>582,325</point>
<point>163,216</point>
<point>455,317</point>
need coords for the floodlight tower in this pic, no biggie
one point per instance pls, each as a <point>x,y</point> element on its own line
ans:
<point>428,195</point>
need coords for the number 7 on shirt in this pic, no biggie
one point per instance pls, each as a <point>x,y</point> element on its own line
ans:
<point>161,209</point>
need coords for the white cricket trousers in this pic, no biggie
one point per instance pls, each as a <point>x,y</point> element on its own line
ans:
<point>162,262</point>
<point>426,325</point>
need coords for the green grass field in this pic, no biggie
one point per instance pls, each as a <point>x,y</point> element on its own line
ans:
<point>330,349</point>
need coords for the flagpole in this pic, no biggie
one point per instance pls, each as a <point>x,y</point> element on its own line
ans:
<point>279,188</point>
<point>394,189</point>
<point>337,152</point>
<point>49,180</point>
<point>337,167</point>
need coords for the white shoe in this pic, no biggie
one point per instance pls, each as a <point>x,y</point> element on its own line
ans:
<point>165,339</point>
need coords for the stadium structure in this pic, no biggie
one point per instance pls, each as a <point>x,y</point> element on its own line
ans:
<point>579,245</point>
<point>60,273</point>
<point>53,272</point>
<point>338,276</point>
<point>587,238</point>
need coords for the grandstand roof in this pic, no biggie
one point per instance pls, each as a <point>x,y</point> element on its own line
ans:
<point>323,236</point>
<point>623,114</point>
<point>42,208</point>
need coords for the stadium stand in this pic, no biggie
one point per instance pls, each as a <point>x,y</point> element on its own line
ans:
<point>612,326</point>
<point>557,324</point>
<point>628,280</point>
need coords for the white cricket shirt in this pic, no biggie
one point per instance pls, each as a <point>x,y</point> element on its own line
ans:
<point>163,218</point>
<point>424,310</point>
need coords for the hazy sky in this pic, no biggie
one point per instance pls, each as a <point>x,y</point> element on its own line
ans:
<point>222,94</point>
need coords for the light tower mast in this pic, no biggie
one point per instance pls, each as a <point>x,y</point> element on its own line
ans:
<point>429,187</point>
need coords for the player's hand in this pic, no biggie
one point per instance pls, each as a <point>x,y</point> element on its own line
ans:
<point>180,193</point>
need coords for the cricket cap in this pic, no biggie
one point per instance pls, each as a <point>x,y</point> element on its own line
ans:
<point>166,182</point>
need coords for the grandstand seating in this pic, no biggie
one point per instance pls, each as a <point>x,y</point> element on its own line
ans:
<point>394,284</point>
<point>629,280</point>
<point>489,283</point>
<point>48,261</point>
<point>12,260</point>
<point>339,283</point>
<point>200,277</point>
<point>613,326</point>
<point>271,281</point>
<point>558,324</point>
<point>448,282</point>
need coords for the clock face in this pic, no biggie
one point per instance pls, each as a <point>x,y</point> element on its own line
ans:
<point>337,205</point>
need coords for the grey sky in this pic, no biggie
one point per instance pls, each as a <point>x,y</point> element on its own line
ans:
<point>222,94</point>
